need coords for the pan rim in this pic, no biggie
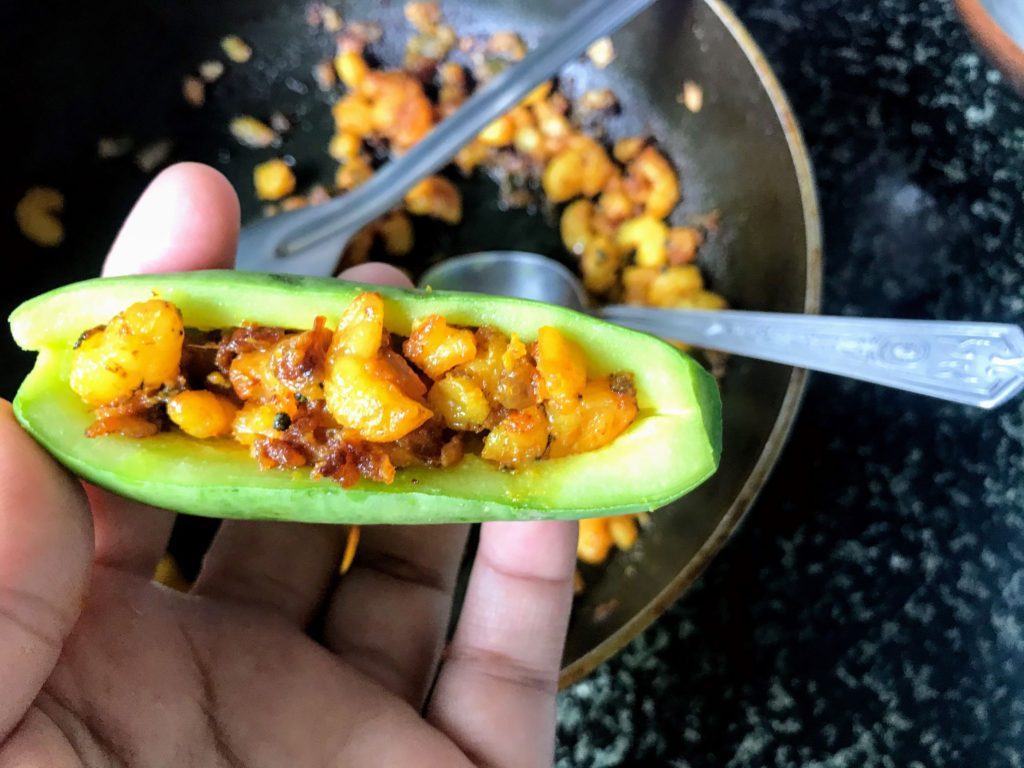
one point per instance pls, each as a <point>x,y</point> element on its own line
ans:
<point>786,418</point>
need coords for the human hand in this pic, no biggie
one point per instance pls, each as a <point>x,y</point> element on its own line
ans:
<point>101,666</point>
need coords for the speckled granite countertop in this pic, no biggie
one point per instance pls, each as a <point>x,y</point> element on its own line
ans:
<point>871,610</point>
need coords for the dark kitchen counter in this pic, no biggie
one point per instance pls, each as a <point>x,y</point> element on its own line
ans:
<point>870,612</point>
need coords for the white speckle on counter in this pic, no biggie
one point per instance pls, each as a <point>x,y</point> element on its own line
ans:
<point>752,746</point>
<point>1013,592</point>
<point>1009,630</point>
<point>922,613</point>
<point>898,721</point>
<point>898,563</point>
<point>979,115</point>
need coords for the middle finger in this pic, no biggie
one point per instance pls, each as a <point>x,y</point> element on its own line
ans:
<point>389,615</point>
<point>282,567</point>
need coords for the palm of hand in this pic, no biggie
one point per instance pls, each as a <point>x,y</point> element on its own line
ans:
<point>152,677</point>
<point>101,666</point>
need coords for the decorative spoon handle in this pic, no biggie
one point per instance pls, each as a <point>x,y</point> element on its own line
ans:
<point>980,364</point>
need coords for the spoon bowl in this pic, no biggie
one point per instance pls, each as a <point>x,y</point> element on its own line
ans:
<point>509,273</point>
<point>979,364</point>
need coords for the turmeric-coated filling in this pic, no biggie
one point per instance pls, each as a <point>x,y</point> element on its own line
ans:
<point>353,401</point>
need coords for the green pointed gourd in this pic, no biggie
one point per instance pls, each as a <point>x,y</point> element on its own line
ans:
<point>672,447</point>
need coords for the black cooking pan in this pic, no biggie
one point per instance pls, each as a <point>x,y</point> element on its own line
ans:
<point>82,72</point>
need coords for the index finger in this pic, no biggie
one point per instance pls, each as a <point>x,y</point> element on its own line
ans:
<point>188,218</point>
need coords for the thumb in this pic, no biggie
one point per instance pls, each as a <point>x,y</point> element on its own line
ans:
<point>45,554</point>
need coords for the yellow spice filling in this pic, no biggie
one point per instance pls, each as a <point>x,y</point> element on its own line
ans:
<point>350,401</point>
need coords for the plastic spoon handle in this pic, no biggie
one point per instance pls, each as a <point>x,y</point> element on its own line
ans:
<point>980,364</point>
